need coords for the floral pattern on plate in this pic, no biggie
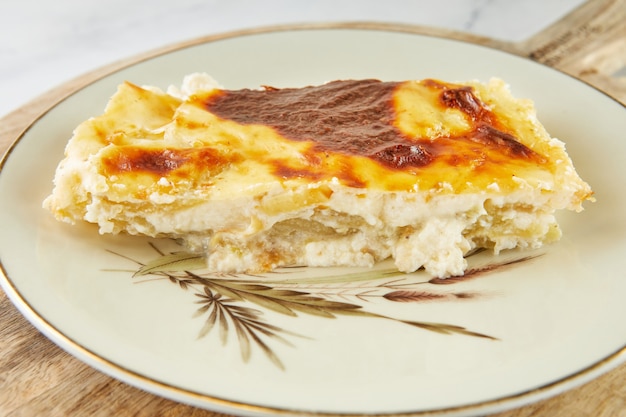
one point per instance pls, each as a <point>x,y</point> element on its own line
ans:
<point>236,302</point>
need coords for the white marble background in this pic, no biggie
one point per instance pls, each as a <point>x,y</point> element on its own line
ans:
<point>45,43</point>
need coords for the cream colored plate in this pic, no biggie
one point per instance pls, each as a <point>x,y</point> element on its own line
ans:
<point>514,334</point>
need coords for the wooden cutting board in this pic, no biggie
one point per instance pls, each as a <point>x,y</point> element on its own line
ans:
<point>39,379</point>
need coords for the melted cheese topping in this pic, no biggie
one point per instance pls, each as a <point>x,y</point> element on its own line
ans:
<point>460,144</point>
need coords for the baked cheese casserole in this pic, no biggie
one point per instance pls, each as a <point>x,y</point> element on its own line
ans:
<point>350,172</point>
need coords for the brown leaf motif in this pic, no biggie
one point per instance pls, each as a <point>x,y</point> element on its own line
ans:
<point>405,296</point>
<point>235,303</point>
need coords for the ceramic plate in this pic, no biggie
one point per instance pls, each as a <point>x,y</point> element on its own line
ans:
<point>518,328</point>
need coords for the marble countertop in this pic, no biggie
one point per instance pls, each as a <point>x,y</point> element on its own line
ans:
<point>43,43</point>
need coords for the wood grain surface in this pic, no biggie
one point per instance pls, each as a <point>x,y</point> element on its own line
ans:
<point>39,379</point>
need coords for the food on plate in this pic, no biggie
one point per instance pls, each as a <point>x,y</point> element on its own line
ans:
<point>350,172</point>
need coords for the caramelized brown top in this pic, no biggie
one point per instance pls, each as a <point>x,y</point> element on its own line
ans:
<point>162,162</point>
<point>357,117</point>
<point>410,135</point>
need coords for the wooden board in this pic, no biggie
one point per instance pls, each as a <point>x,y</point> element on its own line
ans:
<point>37,378</point>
